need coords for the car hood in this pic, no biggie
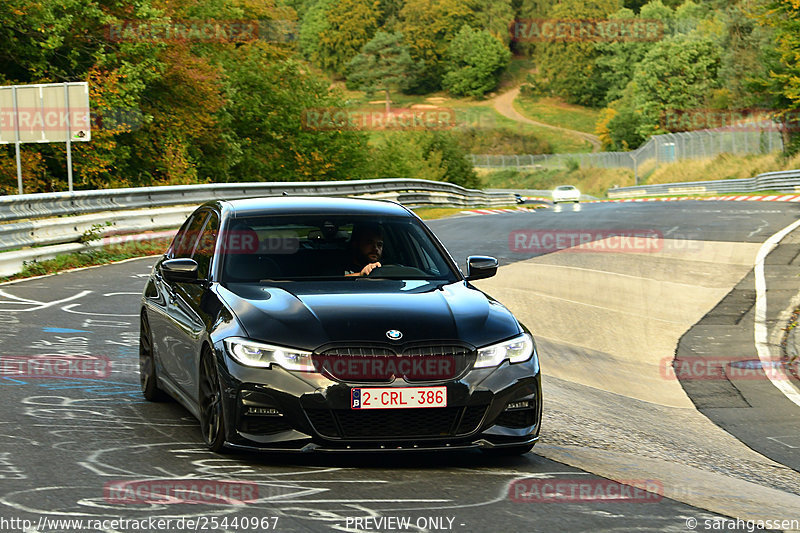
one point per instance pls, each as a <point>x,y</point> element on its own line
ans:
<point>308,315</point>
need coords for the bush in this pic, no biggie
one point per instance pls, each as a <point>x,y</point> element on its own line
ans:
<point>423,155</point>
<point>475,60</point>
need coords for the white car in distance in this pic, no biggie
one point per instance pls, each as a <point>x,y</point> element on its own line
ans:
<point>566,193</point>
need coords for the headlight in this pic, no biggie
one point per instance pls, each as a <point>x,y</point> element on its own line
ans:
<point>251,353</point>
<point>517,350</point>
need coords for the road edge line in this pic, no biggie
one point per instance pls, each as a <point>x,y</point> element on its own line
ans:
<point>783,383</point>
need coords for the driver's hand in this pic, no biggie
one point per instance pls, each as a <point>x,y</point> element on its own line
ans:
<point>369,268</point>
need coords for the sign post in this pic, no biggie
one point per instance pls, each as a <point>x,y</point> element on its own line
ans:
<point>44,113</point>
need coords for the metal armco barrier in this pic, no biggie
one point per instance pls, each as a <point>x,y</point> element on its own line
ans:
<point>58,222</point>
<point>409,192</point>
<point>69,229</point>
<point>783,181</point>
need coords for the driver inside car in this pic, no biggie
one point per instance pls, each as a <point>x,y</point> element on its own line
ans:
<point>366,249</point>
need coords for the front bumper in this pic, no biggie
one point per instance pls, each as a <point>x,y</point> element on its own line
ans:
<point>274,409</point>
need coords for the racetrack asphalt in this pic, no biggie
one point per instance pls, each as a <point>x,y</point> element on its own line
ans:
<point>64,440</point>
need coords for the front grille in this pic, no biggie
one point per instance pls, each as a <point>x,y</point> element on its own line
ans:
<point>518,418</point>
<point>472,418</point>
<point>396,423</point>
<point>382,364</point>
<point>323,422</point>
<point>430,422</point>
<point>263,425</point>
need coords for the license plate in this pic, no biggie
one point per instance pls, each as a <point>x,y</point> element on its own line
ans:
<point>398,398</point>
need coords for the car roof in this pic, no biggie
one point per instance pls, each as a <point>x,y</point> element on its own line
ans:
<point>305,205</point>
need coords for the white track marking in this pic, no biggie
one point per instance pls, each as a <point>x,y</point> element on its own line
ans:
<point>782,382</point>
<point>68,309</point>
<point>36,305</point>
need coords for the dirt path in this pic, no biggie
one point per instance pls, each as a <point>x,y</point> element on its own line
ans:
<point>503,103</point>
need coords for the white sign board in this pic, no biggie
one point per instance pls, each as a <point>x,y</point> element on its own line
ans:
<point>44,113</point>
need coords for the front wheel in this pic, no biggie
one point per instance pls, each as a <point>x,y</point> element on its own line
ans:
<point>212,417</point>
<point>148,377</point>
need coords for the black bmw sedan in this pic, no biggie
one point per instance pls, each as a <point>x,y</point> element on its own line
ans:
<point>297,323</point>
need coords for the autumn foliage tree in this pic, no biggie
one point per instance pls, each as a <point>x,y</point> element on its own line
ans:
<point>384,64</point>
<point>781,86</point>
<point>428,27</point>
<point>349,25</point>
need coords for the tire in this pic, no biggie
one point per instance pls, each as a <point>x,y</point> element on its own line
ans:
<point>212,416</point>
<point>148,377</point>
<point>508,451</point>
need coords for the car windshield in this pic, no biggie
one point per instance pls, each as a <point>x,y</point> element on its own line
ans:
<point>565,188</point>
<point>312,247</point>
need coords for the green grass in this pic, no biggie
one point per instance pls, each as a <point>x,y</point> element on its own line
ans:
<point>516,73</point>
<point>597,181</point>
<point>708,195</point>
<point>557,113</point>
<point>487,118</point>
<point>592,181</point>
<point>91,257</point>
<point>432,213</point>
<point>482,130</point>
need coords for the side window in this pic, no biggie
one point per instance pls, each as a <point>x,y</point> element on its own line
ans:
<point>205,246</point>
<point>184,241</point>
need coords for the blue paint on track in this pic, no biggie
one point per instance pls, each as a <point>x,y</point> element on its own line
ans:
<point>64,330</point>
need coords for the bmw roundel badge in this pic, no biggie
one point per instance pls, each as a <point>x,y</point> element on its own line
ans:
<point>394,334</point>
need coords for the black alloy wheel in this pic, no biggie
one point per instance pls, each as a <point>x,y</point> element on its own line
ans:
<point>212,418</point>
<point>147,364</point>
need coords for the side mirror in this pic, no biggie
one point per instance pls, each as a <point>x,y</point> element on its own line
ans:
<point>480,267</point>
<point>179,270</point>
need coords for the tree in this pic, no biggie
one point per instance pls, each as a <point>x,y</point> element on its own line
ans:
<point>383,64</point>
<point>313,25</point>
<point>495,17</point>
<point>618,60</point>
<point>569,68</point>
<point>267,103</point>
<point>350,24</point>
<point>781,87</point>
<point>444,146</point>
<point>623,123</point>
<point>423,155</point>
<point>677,73</point>
<point>475,60</point>
<point>656,10</point>
<point>428,27</point>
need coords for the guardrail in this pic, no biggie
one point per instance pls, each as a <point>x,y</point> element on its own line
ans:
<point>782,181</point>
<point>408,192</point>
<point>58,222</point>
